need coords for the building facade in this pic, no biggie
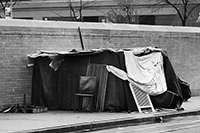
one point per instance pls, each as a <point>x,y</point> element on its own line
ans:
<point>96,11</point>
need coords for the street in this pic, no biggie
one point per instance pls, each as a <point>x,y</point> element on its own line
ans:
<point>188,124</point>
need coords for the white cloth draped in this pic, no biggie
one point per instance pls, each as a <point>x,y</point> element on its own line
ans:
<point>146,72</point>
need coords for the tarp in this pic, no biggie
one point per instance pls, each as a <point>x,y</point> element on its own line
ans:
<point>55,88</point>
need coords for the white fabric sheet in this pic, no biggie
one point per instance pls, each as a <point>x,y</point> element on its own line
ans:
<point>146,72</point>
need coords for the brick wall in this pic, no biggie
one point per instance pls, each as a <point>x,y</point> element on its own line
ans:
<point>22,37</point>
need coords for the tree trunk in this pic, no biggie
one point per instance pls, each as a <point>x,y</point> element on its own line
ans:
<point>183,22</point>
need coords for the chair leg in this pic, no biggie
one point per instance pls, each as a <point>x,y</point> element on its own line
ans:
<point>91,104</point>
<point>79,103</point>
<point>75,103</point>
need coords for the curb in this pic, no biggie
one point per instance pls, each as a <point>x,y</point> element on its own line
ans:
<point>106,124</point>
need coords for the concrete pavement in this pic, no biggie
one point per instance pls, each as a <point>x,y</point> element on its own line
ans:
<point>68,121</point>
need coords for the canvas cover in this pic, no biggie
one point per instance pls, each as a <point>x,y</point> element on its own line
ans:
<point>56,79</point>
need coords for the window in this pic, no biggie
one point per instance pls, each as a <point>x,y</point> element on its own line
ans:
<point>29,18</point>
<point>57,18</point>
<point>91,19</point>
<point>149,20</point>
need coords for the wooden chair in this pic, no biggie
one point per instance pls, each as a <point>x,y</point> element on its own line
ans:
<point>87,88</point>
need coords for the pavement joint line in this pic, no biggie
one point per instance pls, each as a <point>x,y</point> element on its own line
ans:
<point>105,124</point>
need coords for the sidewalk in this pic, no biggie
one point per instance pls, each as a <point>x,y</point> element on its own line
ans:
<point>66,121</point>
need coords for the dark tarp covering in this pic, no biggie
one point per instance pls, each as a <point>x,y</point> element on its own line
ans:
<point>56,89</point>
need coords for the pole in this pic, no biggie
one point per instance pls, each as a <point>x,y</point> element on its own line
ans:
<point>79,31</point>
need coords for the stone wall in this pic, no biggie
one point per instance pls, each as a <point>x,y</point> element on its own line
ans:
<point>22,37</point>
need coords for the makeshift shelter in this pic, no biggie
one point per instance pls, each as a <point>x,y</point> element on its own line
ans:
<point>56,76</point>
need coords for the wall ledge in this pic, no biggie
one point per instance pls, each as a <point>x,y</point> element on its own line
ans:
<point>100,26</point>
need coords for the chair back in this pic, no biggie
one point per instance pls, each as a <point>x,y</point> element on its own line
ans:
<point>87,84</point>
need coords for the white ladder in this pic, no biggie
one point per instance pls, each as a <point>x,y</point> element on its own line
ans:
<point>141,98</point>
